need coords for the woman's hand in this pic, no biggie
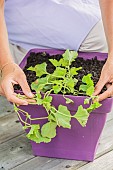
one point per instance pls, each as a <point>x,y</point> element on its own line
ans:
<point>106,78</point>
<point>13,74</point>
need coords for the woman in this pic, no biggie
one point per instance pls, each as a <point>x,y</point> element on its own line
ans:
<point>60,24</point>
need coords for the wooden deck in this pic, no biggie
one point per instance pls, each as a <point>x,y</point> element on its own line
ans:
<point>16,154</point>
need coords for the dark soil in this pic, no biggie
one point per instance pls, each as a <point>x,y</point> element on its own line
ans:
<point>92,66</point>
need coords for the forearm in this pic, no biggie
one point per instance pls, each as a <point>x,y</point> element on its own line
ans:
<point>5,55</point>
<point>107,16</point>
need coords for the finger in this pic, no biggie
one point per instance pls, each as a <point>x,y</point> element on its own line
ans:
<point>108,85</point>
<point>25,87</point>
<point>14,82</point>
<point>30,100</point>
<point>111,81</point>
<point>99,86</point>
<point>16,100</point>
<point>10,95</point>
<point>106,94</point>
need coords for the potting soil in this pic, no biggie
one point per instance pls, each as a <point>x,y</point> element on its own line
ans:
<point>92,66</point>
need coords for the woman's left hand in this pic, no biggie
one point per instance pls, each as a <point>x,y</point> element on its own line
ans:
<point>106,78</point>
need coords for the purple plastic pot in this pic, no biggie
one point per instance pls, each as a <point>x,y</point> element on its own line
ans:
<point>79,143</point>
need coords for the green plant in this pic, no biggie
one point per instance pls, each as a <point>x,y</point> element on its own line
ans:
<point>62,80</point>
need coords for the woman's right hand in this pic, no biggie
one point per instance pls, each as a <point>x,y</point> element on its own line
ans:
<point>13,74</point>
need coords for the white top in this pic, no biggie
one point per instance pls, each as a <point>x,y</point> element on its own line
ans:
<point>61,24</point>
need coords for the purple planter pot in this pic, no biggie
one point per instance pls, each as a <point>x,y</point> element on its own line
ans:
<point>78,143</point>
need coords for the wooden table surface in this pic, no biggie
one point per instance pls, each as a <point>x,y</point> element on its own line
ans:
<point>16,153</point>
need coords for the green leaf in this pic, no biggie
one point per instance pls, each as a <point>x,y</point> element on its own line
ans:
<point>70,56</point>
<point>88,87</point>
<point>87,79</point>
<point>86,101</point>
<point>35,135</point>
<point>37,87</point>
<point>63,62</point>
<point>63,117</point>
<point>73,55</point>
<point>40,69</point>
<point>82,115</point>
<point>70,83</point>
<point>50,78</point>
<point>59,72</point>
<point>39,101</point>
<point>43,80</point>
<point>90,91</point>
<point>31,68</point>
<point>40,84</point>
<point>57,82</point>
<point>49,130</point>
<point>38,95</point>
<point>55,62</point>
<point>75,81</point>
<point>34,127</point>
<point>93,106</point>
<point>47,106</point>
<point>47,99</point>
<point>83,87</point>
<point>38,98</point>
<point>57,89</point>
<point>68,100</point>
<point>73,71</point>
<point>66,55</point>
<point>51,117</point>
<point>47,88</point>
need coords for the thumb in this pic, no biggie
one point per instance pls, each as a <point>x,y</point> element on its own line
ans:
<point>25,87</point>
<point>99,86</point>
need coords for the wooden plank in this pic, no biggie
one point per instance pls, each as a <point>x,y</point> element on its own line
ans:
<point>9,127</point>
<point>14,152</point>
<point>106,140</point>
<point>51,164</point>
<point>38,163</point>
<point>5,107</point>
<point>106,144</point>
<point>110,115</point>
<point>103,163</point>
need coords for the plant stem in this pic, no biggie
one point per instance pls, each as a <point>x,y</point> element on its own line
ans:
<point>60,112</point>
<point>22,120</point>
<point>48,93</point>
<point>41,118</point>
<point>23,111</point>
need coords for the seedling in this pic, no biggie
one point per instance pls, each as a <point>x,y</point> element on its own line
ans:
<point>63,80</point>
